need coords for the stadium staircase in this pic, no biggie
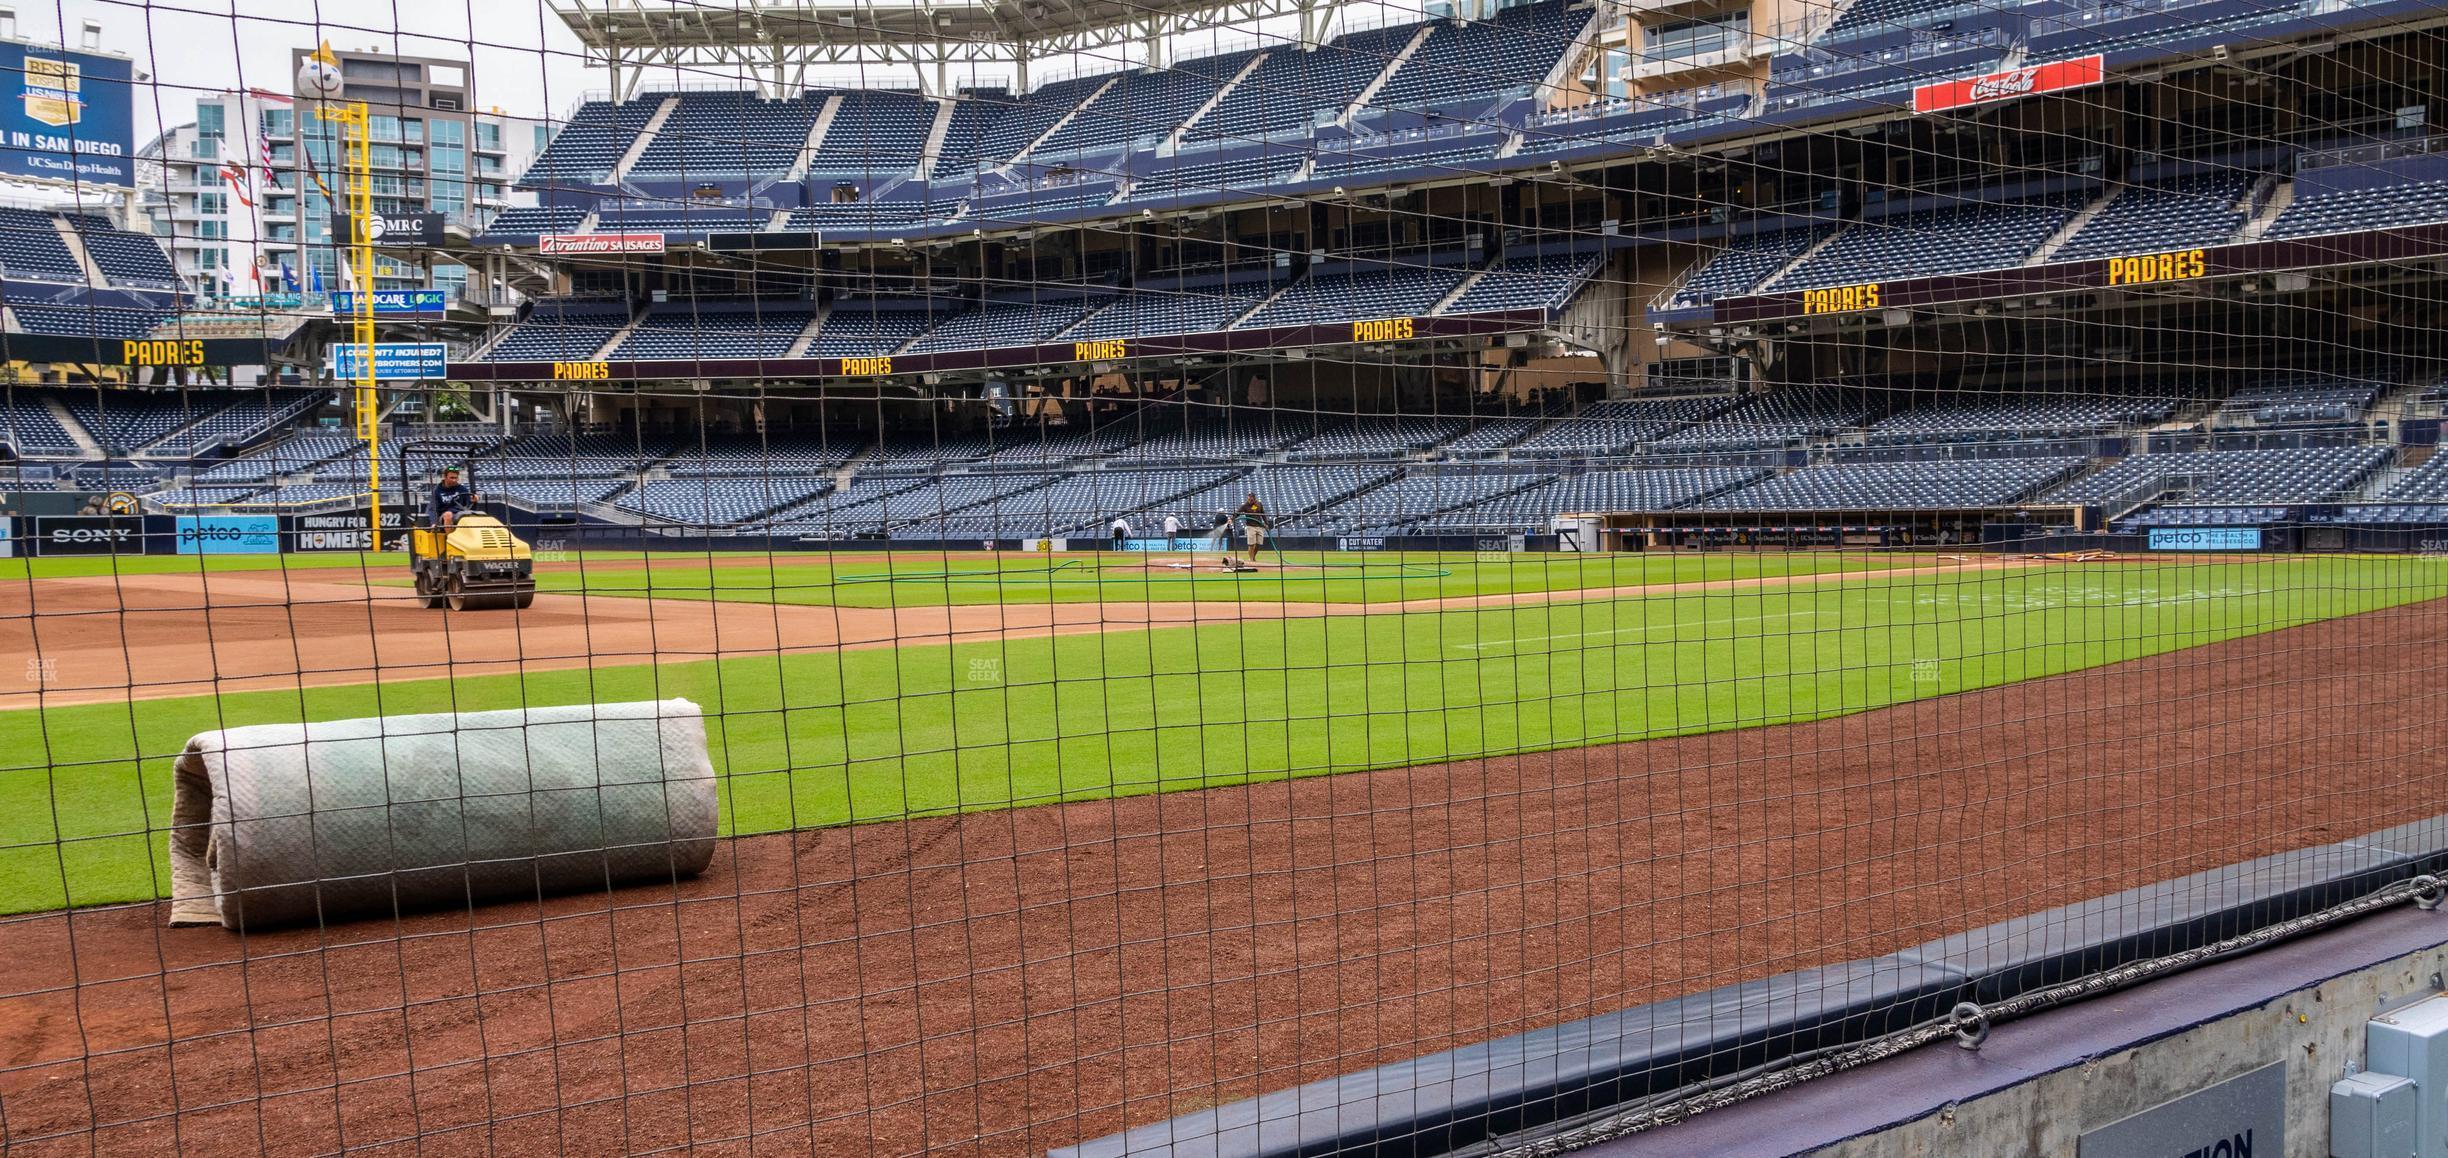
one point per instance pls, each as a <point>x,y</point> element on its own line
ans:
<point>1368,92</point>
<point>1568,62</point>
<point>87,447</point>
<point>2056,241</point>
<point>1476,276</point>
<point>637,148</point>
<point>2397,407</point>
<point>618,336</point>
<point>1172,141</point>
<point>2279,199</point>
<point>932,151</point>
<point>2381,481</point>
<point>1075,110</point>
<point>1800,259</point>
<point>807,337</point>
<point>848,470</point>
<point>815,139</point>
<point>76,249</point>
<point>1262,303</point>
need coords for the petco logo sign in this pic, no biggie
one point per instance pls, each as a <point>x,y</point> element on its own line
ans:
<point>228,535</point>
<point>599,243</point>
<point>2055,76</point>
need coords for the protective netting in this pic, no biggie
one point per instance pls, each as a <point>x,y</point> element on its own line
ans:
<point>1013,578</point>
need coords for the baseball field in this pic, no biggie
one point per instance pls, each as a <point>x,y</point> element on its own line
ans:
<point>1165,778</point>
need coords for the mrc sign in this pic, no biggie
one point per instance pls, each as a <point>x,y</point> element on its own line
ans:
<point>2012,84</point>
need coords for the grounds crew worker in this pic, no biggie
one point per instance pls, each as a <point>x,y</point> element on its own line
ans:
<point>451,498</point>
<point>1253,524</point>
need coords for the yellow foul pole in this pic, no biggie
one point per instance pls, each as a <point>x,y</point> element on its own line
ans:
<point>358,163</point>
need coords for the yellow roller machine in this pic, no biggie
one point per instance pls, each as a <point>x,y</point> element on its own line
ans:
<point>475,564</point>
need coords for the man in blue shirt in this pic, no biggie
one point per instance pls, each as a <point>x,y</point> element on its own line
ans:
<point>451,499</point>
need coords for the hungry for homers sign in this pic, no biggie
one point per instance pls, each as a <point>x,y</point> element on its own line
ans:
<point>2012,84</point>
<point>344,531</point>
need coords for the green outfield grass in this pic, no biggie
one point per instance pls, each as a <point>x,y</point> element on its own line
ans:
<point>925,579</point>
<point>1299,576</point>
<point>891,733</point>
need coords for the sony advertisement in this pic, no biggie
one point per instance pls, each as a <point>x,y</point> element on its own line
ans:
<point>88,535</point>
<point>69,116</point>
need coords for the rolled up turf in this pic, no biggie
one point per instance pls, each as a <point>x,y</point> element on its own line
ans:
<point>284,824</point>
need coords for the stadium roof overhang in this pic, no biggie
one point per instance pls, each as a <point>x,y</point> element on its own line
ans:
<point>776,42</point>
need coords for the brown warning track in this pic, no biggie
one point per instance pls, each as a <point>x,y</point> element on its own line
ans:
<point>1004,982</point>
<point>110,639</point>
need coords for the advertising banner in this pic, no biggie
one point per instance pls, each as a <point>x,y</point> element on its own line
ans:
<point>70,116</point>
<point>228,535</point>
<point>393,361</point>
<point>2205,538</point>
<point>88,535</point>
<point>582,244</point>
<point>8,537</point>
<point>394,229</point>
<point>345,531</point>
<point>394,303</point>
<point>2012,84</point>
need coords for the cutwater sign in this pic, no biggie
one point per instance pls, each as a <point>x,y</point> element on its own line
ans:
<point>229,535</point>
<point>2242,1117</point>
<point>394,303</point>
<point>2205,538</point>
<point>393,361</point>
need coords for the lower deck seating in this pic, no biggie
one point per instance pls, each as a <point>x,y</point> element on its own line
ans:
<point>1898,486</point>
<point>2302,475</point>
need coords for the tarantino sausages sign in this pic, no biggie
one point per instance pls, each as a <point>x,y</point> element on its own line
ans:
<point>2012,84</point>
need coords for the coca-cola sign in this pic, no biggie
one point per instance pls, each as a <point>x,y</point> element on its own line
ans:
<point>2030,80</point>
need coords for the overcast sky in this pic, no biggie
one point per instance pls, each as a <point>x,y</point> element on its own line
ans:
<point>526,62</point>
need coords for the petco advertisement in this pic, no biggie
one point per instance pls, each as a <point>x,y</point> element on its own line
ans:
<point>69,116</point>
<point>229,535</point>
<point>344,531</point>
<point>88,535</point>
<point>2205,538</point>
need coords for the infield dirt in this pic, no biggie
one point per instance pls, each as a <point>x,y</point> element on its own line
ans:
<point>1002,982</point>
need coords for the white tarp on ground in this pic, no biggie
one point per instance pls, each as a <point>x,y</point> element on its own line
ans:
<point>283,824</point>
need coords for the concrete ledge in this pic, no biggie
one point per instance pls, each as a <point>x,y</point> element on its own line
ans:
<point>2040,1082</point>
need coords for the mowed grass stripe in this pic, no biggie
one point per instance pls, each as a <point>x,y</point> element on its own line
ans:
<point>916,579</point>
<point>1118,577</point>
<point>888,733</point>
